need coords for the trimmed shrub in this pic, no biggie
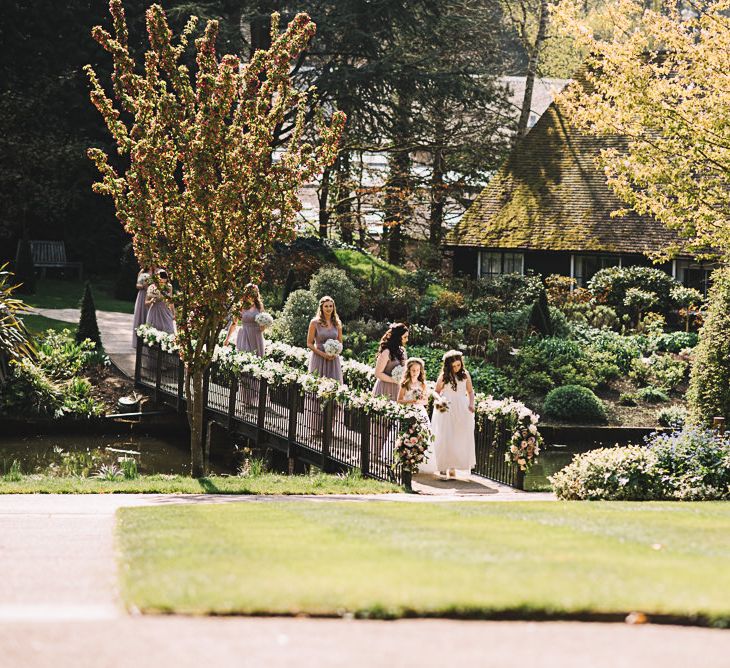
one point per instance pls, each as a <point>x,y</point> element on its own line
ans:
<point>300,308</point>
<point>574,403</point>
<point>652,395</point>
<point>336,283</point>
<point>673,417</point>
<point>88,327</point>
<point>540,315</point>
<point>709,387</point>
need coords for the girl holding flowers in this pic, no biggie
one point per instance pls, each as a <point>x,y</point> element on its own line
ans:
<point>414,392</point>
<point>324,339</point>
<point>453,425</point>
<point>250,335</point>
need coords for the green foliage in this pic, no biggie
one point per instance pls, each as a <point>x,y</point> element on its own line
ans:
<point>611,474</point>
<point>623,349</point>
<point>300,308</point>
<point>88,327</point>
<point>709,388</point>
<point>540,320</point>
<point>514,291</point>
<point>14,338</point>
<point>652,395</point>
<point>24,268</point>
<point>674,342</point>
<point>129,468</point>
<point>48,385</point>
<point>336,283</point>
<point>450,303</point>
<point>13,473</point>
<point>599,316</point>
<point>574,403</point>
<point>632,289</point>
<point>688,465</point>
<point>674,417</point>
<point>628,399</point>
<point>662,371</point>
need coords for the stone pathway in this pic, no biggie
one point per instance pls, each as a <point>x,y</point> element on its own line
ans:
<point>115,329</point>
<point>59,607</point>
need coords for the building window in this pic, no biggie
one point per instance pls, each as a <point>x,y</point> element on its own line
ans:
<point>693,274</point>
<point>584,267</point>
<point>496,263</point>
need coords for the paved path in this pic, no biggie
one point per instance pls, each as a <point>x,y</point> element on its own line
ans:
<point>59,607</point>
<point>115,329</point>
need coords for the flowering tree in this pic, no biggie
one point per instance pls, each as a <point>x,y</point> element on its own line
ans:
<point>659,79</point>
<point>203,195</point>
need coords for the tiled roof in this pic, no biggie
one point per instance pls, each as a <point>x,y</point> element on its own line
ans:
<point>550,194</point>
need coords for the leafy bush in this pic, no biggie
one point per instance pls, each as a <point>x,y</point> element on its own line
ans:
<point>673,342</point>
<point>514,291</point>
<point>612,285</point>
<point>299,309</point>
<point>674,417</point>
<point>628,399</point>
<point>652,395</point>
<point>623,349</point>
<point>709,388</point>
<point>61,358</point>
<point>14,338</point>
<point>662,371</point>
<point>450,303</point>
<point>612,474</point>
<point>694,464</point>
<point>336,283</point>
<point>574,403</point>
<point>599,316</point>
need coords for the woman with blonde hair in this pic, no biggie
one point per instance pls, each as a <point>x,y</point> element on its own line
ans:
<point>325,328</point>
<point>250,336</point>
<point>160,311</point>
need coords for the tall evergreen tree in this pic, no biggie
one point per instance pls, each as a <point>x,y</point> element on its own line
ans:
<point>88,327</point>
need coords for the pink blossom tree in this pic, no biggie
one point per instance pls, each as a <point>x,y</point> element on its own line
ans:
<point>202,193</point>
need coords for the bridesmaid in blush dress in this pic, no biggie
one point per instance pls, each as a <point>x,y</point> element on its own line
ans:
<point>250,337</point>
<point>160,314</point>
<point>140,308</point>
<point>324,326</point>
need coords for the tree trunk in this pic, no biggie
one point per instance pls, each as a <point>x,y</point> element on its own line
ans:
<point>323,197</point>
<point>196,407</point>
<point>438,199</point>
<point>397,187</point>
<point>532,65</point>
<point>343,204</point>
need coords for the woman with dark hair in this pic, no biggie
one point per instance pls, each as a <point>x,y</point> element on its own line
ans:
<point>391,355</point>
<point>453,425</point>
<point>144,278</point>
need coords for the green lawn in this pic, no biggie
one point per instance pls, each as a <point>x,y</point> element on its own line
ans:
<point>268,483</point>
<point>390,559</point>
<point>66,293</point>
<point>37,324</point>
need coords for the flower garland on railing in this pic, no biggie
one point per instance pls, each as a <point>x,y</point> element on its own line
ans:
<point>284,365</point>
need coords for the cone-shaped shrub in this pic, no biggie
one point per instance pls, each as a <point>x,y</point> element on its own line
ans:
<point>88,328</point>
<point>540,315</point>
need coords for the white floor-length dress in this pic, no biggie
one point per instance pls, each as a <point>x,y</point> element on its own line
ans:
<point>454,431</point>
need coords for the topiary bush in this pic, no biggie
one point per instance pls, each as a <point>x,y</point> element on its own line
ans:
<point>540,320</point>
<point>88,327</point>
<point>300,308</point>
<point>336,283</point>
<point>709,386</point>
<point>574,403</point>
<point>611,474</point>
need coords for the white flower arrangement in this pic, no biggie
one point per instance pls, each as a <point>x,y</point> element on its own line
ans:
<point>397,373</point>
<point>332,347</point>
<point>264,320</point>
<point>441,404</point>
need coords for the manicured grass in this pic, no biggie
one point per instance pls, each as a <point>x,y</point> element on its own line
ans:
<point>390,559</point>
<point>37,324</point>
<point>66,293</point>
<point>268,483</point>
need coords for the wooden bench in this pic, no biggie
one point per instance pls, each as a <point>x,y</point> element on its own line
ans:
<point>52,254</point>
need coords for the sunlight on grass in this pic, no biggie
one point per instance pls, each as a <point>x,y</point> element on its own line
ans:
<point>465,559</point>
<point>65,293</point>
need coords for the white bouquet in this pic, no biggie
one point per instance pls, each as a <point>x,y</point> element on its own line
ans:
<point>396,373</point>
<point>264,320</point>
<point>441,404</point>
<point>332,347</point>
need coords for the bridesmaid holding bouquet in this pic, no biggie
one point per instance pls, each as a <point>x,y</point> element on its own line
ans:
<point>144,278</point>
<point>324,339</point>
<point>160,313</point>
<point>391,355</point>
<point>250,334</point>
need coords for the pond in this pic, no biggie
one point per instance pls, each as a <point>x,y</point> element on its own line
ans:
<point>550,461</point>
<point>67,454</point>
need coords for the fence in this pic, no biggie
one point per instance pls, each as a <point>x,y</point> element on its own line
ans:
<point>328,435</point>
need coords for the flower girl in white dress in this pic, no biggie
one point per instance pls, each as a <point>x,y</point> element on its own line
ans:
<point>414,392</point>
<point>453,426</point>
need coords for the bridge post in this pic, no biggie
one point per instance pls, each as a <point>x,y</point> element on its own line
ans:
<point>180,384</point>
<point>232,402</point>
<point>293,417</point>
<point>138,362</point>
<point>327,419</point>
<point>261,415</point>
<point>364,443</point>
<point>158,374</point>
